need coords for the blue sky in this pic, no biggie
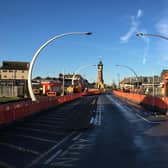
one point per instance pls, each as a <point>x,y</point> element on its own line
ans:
<point>26,24</point>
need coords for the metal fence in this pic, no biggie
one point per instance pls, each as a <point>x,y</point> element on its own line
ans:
<point>12,91</point>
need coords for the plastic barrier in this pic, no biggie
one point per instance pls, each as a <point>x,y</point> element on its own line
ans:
<point>152,102</point>
<point>2,116</point>
<point>14,111</point>
<point>8,113</point>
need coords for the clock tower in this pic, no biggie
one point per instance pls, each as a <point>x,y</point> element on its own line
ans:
<point>100,82</point>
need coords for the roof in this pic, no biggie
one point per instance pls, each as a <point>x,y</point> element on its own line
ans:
<point>15,65</point>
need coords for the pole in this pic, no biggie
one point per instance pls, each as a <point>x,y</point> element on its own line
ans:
<point>63,83</point>
<point>118,75</point>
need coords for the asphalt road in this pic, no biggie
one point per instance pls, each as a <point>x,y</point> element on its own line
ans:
<point>33,140</point>
<point>95,131</point>
<point>127,137</point>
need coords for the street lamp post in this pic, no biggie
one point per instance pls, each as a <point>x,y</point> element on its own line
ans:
<point>118,75</point>
<point>155,35</point>
<point>130,70</point>
<point>38,52</point>
<point>63,83</point>
<point>80,68</point>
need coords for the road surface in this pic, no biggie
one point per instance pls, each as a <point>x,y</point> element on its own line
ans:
<point>94,131</point>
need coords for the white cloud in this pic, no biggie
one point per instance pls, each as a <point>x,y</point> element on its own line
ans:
<point>144,61</point>
<point>146,51</point>
<point>139,13</point>
<point>162,26</point>
<point>133,28</point>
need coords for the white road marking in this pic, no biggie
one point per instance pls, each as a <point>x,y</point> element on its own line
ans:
<point>77,137</point>
<point>47,152</point>
<point>94,101</point>
<point>49,121</point>
<point>53,157</point>
<point>148,121</point>
<point>40,130</point>
<point>69,152</point>
<point>43,125</point>
<point>98,116</point>
<point>54,118</point>
<point>72,150</point>
<point>37,138</point>
<point>19,148</point>
<point>5,165</point>
<point>92,120</point>
<point>65,162</point>
<point>124,108</point>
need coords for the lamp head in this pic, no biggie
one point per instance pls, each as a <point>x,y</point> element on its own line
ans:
<point>88,33</point>
<point>139,34</point>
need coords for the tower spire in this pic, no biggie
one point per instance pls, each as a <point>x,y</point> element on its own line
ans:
<point>100,81</point>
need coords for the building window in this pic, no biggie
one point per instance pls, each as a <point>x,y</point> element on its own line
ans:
<point>22,71</point>
<point>10,70</point>
<point>5,76</point>
<point>22,77</point>
<point>4,70</point>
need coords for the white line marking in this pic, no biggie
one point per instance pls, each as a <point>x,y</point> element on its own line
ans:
<point>94,101</point>
<point>92,120</point>
<point>65,162</point>
<point>97,119</point>
<point>100,118</point>
<point>54,119</point>
<point>148,121</point>
<point>51,149</point>
<point>37,138</point>
<point>43,125</point>
<point>53,157</point>
<point>19,148</point>
<point>124,109</point>
<point>5,165</point>
<point>49,121</point>
<point>40,130</point>
<point>77,137</point>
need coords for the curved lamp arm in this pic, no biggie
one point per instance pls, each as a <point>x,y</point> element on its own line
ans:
<point>155,35</point>
<point>130,70</point>
<point>38,52</point>
<point>85,66</point>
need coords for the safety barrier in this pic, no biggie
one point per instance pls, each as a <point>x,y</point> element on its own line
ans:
<point>15,111</point>
<point>18,110</point>
<point>160,104</point>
